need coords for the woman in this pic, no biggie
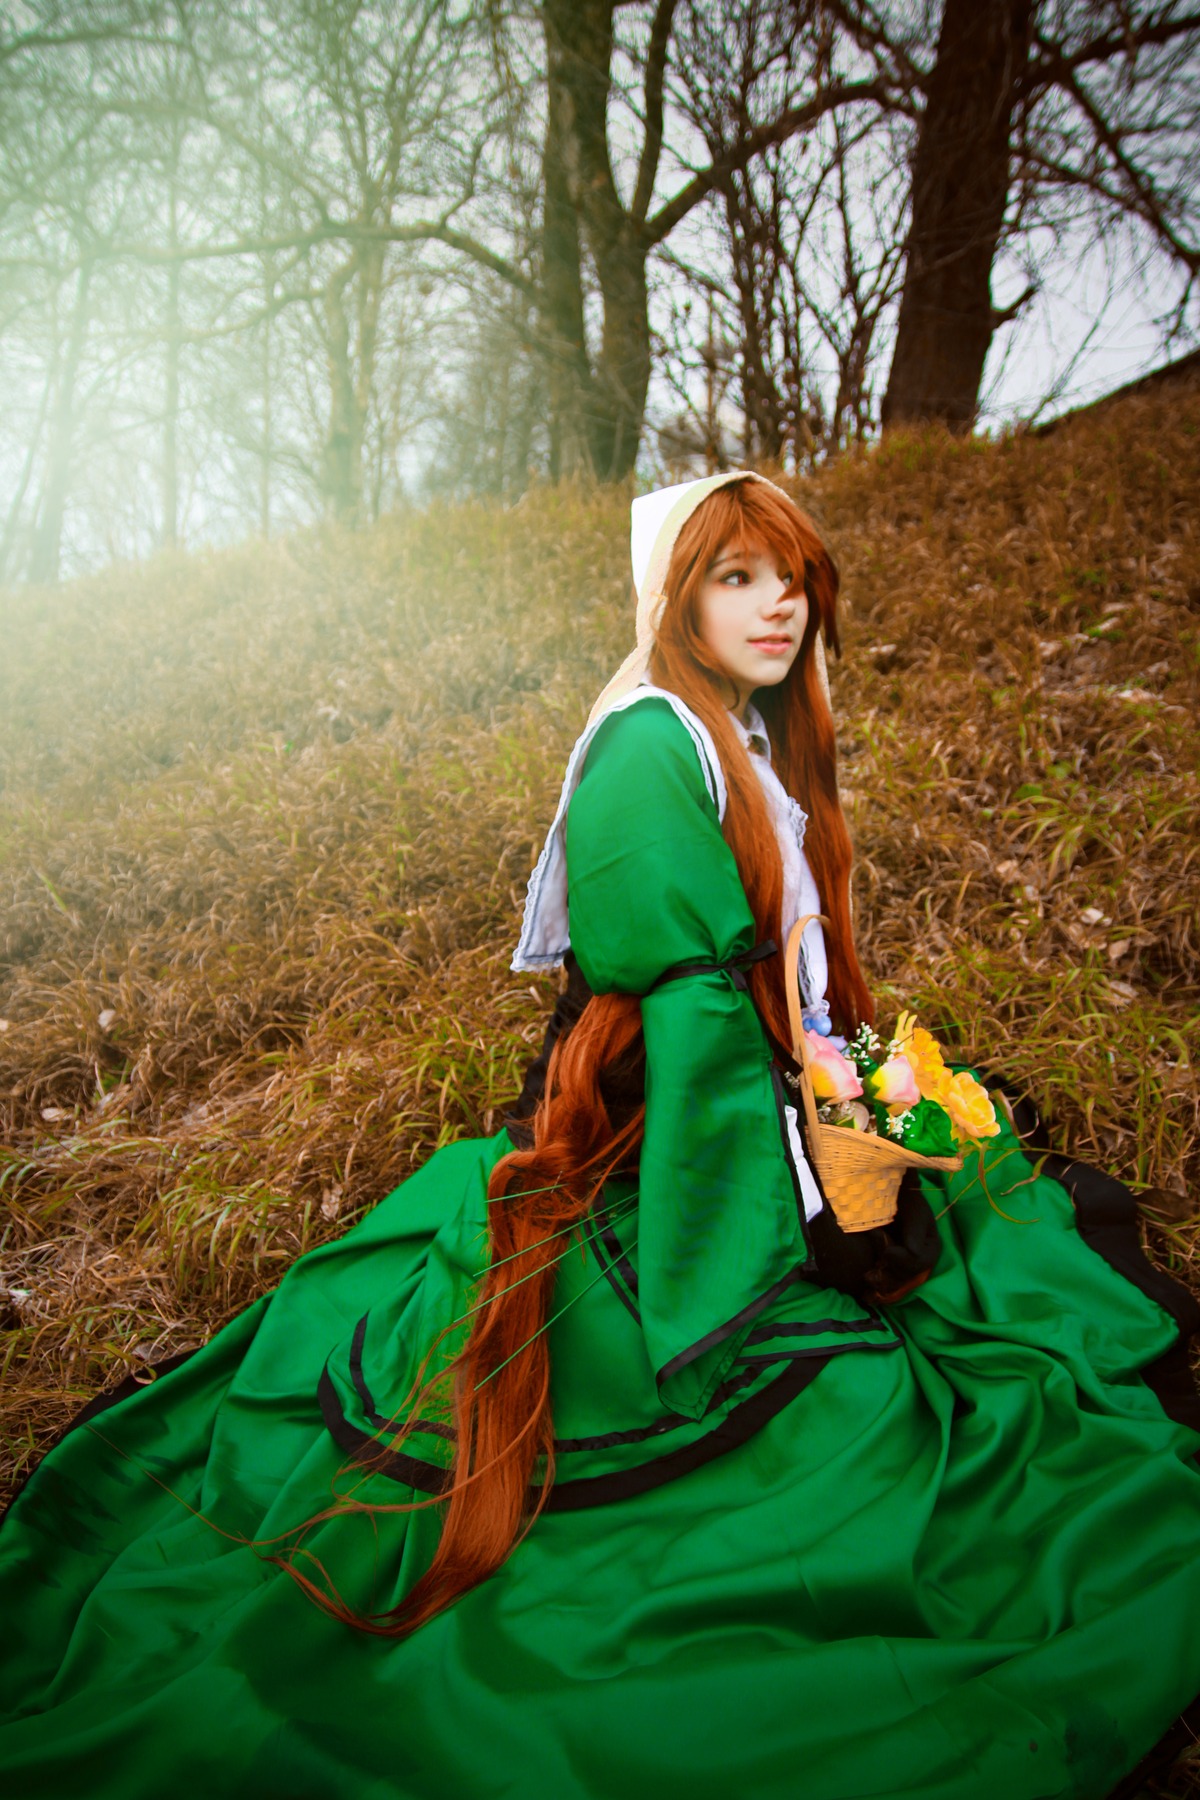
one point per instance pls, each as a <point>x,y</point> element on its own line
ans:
<point>636,1475</point>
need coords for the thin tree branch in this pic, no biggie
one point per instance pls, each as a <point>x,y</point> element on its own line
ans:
<point>1054,64</point>
<point>656,63</point>
<point>1146,202</point>
<point>37,41</point>
<point>1004,315</point>
<point>862,23</point>
<point>334,231</point>
<point>789,124</point>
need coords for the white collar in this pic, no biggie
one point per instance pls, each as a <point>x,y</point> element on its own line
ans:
<point>545,932</point>
<point>753,731</point>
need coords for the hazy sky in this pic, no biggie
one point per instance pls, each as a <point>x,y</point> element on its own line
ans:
<point>1090,334</point>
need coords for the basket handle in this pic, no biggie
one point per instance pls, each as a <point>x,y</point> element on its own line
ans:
<point>791,982</point>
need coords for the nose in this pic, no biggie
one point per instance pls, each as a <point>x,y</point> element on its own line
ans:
<point>778,602</point>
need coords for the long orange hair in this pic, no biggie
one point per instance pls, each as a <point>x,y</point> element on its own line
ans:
<point>503,1465</point>
<point>747,516</point>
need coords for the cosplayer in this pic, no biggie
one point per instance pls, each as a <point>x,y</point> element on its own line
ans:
<point>603,1458</point>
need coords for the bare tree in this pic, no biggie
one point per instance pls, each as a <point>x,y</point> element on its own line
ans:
<point>1032,107</point>
<point>959,199</point>
<point>63,376</point>
<point>238,239</point>
<point>810,227</point>
<point>80,176</point>
<point>621,236</point>
<point>353,125</point>
<point>220,142</point>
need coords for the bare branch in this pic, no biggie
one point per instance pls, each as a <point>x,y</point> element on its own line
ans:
<point>863,24</point>
<point>1004,315</point>
<point>1140,195</point>
<point>790,123</point>
<point>37,43</point>
<point>1055,64</point>
<point>656,61</point>
<point>333,231</point>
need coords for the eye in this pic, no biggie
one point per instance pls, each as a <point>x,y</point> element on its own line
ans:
<point>737,577</point>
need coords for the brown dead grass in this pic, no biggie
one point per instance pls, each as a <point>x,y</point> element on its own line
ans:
<point>267,816</point>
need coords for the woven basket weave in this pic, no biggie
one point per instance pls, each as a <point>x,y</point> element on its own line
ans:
<point>859,1171</point>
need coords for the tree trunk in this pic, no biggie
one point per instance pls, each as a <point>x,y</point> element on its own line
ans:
<point>623,367</point>
<point>579,41</point>
<point>342,461</point>
<point>351,377</point>
<point>369,294</point>
<point>341,469</point>
<point>46,548</point>
<point>959,194</point>
<point>265,447</point>
<point>755,252</point>
<point>172,344</point>
<point>568,374</point>
<point>8,537</point>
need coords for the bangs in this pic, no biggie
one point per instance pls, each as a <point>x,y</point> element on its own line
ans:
<point>745,541</point>
<point>746,518</point>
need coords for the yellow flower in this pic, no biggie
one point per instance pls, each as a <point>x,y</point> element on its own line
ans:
<point>972,1114</point>
<point>925,1056</point>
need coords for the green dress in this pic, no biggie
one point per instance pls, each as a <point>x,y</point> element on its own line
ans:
<point>797,1546</point>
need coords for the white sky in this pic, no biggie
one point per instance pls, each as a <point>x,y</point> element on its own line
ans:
<point>1096,331</point>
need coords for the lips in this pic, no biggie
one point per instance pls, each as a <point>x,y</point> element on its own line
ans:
<point>772,646</point>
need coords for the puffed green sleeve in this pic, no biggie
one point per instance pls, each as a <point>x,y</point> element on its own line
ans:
<point>652,884</point>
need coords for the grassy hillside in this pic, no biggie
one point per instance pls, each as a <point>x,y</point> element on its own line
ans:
<point>267,816</point>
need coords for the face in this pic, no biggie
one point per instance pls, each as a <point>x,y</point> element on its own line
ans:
<point>749,620</point>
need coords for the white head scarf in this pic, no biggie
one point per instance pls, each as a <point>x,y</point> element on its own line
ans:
<point>656,521</point>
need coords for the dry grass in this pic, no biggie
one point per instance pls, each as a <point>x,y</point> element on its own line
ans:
<point>266,820</point>
<point>265,824</point>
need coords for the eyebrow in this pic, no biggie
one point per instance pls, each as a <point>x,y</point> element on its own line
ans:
<point>744,553</point>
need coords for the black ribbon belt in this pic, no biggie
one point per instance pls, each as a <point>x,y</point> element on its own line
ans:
<point>736,967</point>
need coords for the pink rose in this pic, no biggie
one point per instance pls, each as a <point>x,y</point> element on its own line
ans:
<point>834,1076</point>
<point>893,1083</point>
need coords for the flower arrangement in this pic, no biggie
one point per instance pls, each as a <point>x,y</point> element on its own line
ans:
<point>902,1090</point>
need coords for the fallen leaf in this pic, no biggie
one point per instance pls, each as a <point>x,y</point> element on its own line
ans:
<point>1170,1203</point>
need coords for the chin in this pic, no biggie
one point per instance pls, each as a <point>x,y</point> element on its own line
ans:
<point>774,678</point>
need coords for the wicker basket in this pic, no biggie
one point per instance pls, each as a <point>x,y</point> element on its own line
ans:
<point>859,1171</point>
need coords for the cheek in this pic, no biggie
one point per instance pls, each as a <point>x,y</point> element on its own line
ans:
<point>713,616</point>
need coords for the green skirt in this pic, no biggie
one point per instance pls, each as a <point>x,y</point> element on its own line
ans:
<point>946,1548</point>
